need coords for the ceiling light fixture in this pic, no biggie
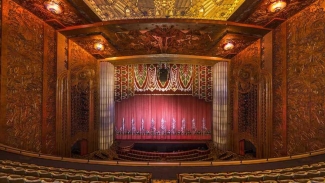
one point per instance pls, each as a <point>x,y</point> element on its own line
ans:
<point>99,46</point>
<point>277,6</point>
<point>228,46</point>
<point>53,7</point>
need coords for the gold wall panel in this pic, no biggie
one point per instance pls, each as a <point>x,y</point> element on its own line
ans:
<point>201,9</point>
<point>299,84</point>
<point>250,99</point>
<point>306,80</point>
<point>49,90</point>
<point>261,15</point>
<point>84,96</point>
<point>69,17</point>
<point>25,60</point>
<point>279,92</point>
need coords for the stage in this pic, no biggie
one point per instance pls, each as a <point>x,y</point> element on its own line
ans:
<point>163,146</point>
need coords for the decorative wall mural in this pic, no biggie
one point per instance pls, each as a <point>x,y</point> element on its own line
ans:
<point>163,39</point>
<point>279,91</point>
<point>23,78</point>
<point>246,73</point>
<point>69,17</point>
<point>49,91</point>
<point>305,79</point>
<point>261,16</point>
<point>182,78</point>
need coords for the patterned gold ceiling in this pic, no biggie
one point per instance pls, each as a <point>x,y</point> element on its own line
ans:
<point>197,9</point>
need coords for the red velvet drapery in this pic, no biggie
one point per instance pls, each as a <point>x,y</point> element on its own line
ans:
<point>146,111</point>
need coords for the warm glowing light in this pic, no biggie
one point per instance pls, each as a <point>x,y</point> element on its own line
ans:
<point>277,6</point>
<point>53,7</point>
<point>228,46</point>
<point>99,46</point>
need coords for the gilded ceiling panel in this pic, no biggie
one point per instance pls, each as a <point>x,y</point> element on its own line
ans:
<point>197,9</point>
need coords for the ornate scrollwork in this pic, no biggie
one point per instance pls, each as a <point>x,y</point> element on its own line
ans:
<point>305,79</point>
<point>24,77</point>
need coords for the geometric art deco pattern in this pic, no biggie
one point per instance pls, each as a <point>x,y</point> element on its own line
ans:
<point>183,79</point>
<point>123,9</point>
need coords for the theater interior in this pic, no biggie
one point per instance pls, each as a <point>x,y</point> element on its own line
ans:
<point>162,91</point>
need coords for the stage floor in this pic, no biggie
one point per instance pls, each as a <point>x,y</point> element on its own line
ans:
<point>164,146</point>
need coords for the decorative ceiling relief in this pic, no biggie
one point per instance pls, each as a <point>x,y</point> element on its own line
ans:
<point>68,17</point>
<point>163,39</point>
<point>146,37</point>
<point>89,44</point>
<point>262,16</point>
<point>239,41</point>
<point>122,9</point>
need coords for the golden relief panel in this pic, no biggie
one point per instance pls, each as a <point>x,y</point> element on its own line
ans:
<point>88,43</point>
<point>24,77</point>
<point>69,17</point>
<point>261,16</point>
<point>84,76</point>
<point>126,9</point>
<point>305,80</point>
<point>248,93</point>
<point>279,92</point>
<point>49,91</point>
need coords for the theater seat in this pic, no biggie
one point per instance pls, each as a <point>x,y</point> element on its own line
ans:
<point>271,176</point>
<point>89,178</point>
<point>106,178</point>
<point>254,178</point>
<point>15,179</point>
<point>124,179</point>
<point>190,179</point>
<point>33,181</point>
<point>239,178</point>
<point>224,179</point>
<point>4,179</point>
<point>138,179</point>
<point>285,176</point>
<point>207,179</point>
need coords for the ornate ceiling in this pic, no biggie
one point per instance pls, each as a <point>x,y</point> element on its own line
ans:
<point>203,9</point>
<point>129,28</point>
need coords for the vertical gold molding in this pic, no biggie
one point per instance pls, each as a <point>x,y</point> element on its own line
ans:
<point>3,92</point>
<point>61,93</point>
<point>267,71</point>
<point>45,94</point>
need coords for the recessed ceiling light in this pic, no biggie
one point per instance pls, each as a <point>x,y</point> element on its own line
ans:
<point>53,7</point>
<point>277,6</point>
<point>228,46</point>
<point>99,46</point>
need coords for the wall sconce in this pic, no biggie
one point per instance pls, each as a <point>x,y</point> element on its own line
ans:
<point>228,46</point>
<point>201,11</point>
<point>53,7</point>
<point>127,12</point>
<point>277,6</point>
<point>99,46</point>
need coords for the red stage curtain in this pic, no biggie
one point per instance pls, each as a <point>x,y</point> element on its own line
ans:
<point>166,107</point>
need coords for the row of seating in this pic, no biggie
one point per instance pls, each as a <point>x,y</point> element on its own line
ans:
<point>195,158</point>
<point>136,155</point>
<point>314,172</point>
<point>30,170</point>
<point>4,178</point>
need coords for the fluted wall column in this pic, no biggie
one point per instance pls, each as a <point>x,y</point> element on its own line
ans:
<point>220,105</point>
<point>106,127</point>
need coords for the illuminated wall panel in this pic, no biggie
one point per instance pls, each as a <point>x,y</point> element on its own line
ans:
<point>220,104</point>
<point>106,128</point>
